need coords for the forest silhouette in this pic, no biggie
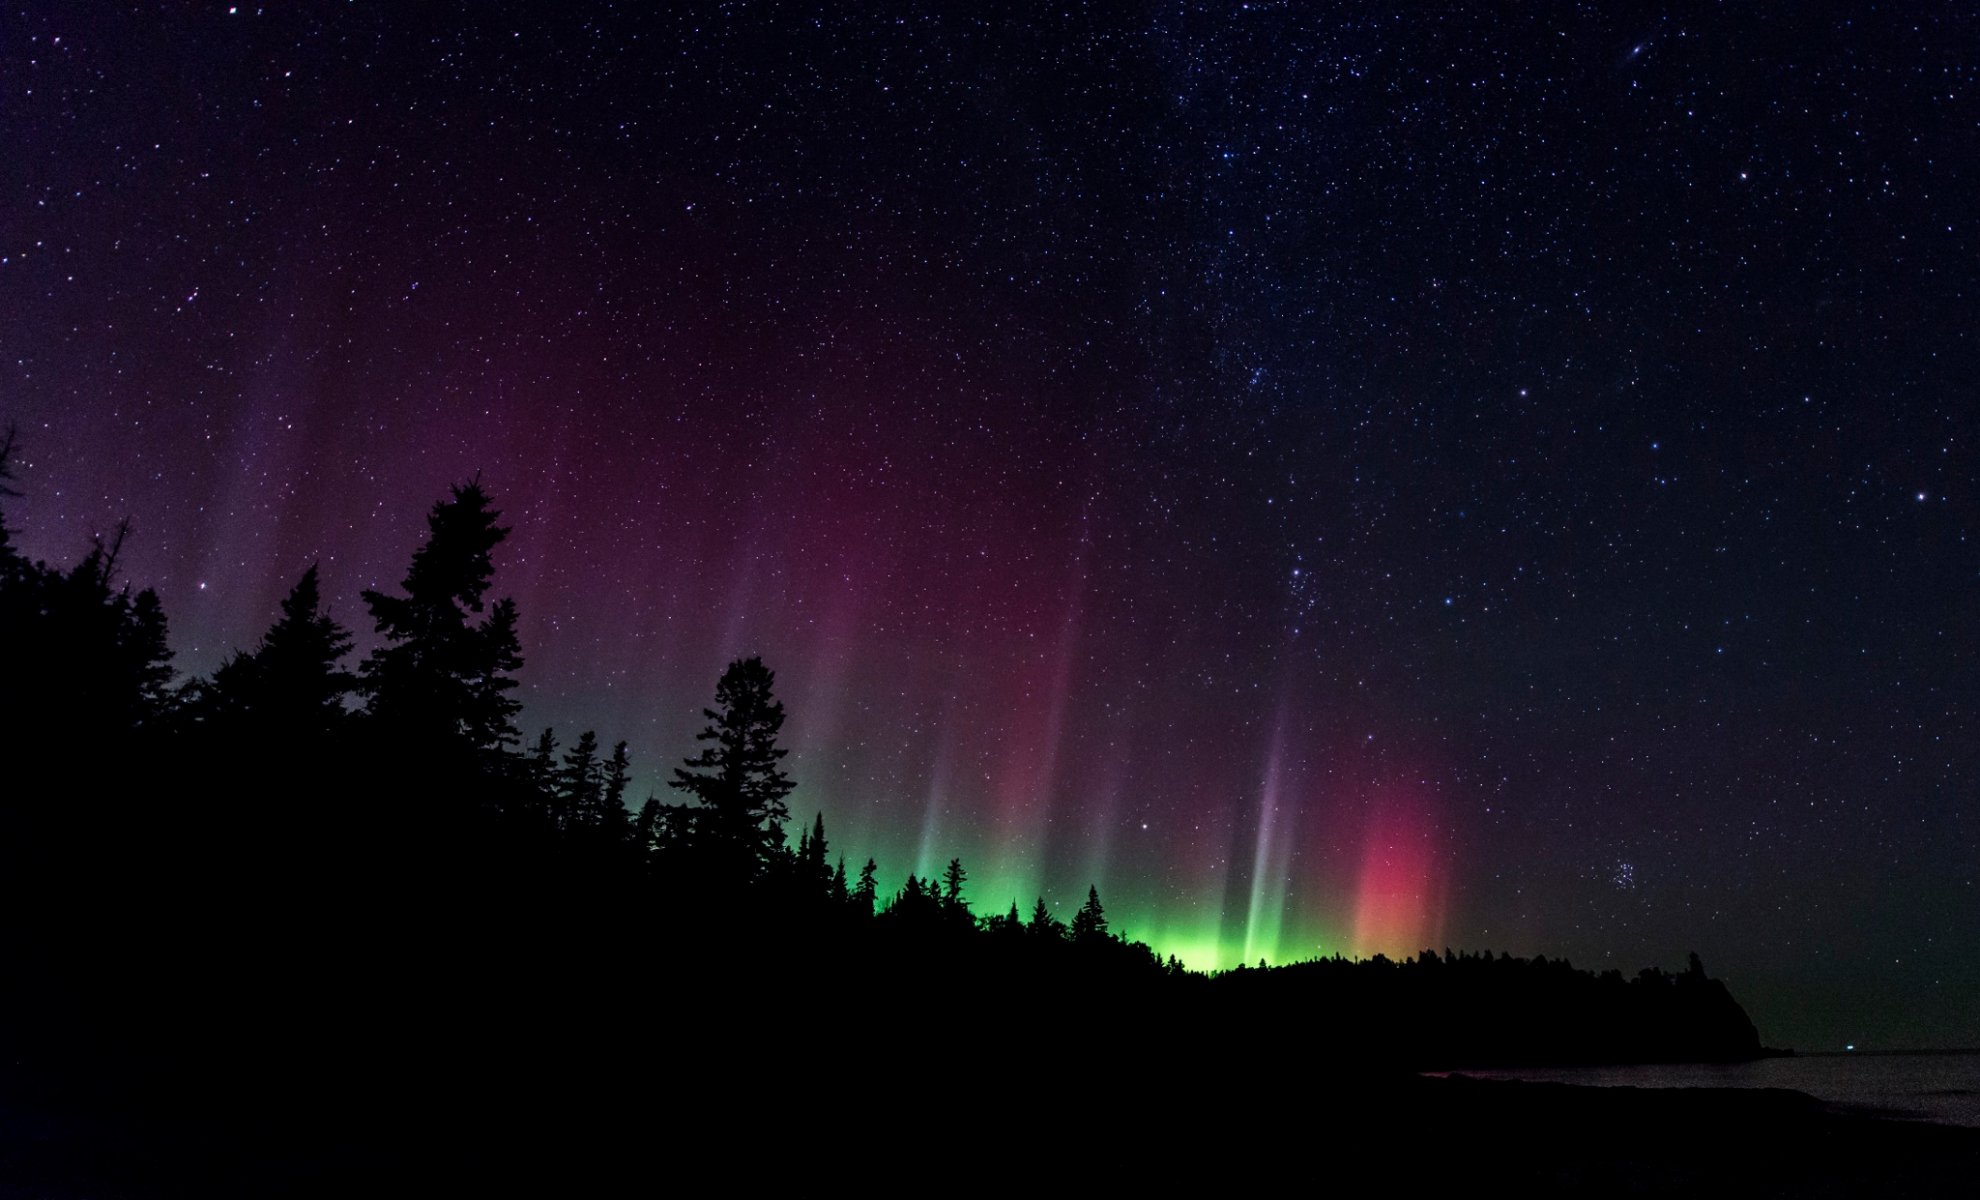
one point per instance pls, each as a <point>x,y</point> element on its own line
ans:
<point>303,880</point>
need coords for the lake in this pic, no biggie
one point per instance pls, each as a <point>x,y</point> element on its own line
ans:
<point>1939,1086</point>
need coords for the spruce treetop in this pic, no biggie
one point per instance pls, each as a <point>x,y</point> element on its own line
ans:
<point>441,671</point>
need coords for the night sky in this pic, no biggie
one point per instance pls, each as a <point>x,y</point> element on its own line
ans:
<point>1341,481</point>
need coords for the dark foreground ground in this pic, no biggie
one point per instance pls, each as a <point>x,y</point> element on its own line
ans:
<point>1694,1141</point>
<point>1018,1129</point>
<point>470,1040</point>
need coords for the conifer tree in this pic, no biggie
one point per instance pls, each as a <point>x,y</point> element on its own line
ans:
<point>866,891</point>
<point>291,680</point>
<point>1044,925</point>
<point>646,826</point>
<point>10,559</point>
<point>537,805</point>
<point>1090,922</point>
<point>818,838</point>
<point>490,719</point>
<point>24,648</point>
<point>1005,924</point>
<point>580,785</point>
<point>612,817</point>
<point>541,763</point>
<point>953,878</point>
<point>917,903</point>
<point>737,779</point>
<point>81,658</point>
<point>440,673</point>
<point>95,657</point>
<point>812,849</point>
<point>144,651</point>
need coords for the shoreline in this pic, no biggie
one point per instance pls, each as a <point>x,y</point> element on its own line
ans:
<point>1910,1089</point>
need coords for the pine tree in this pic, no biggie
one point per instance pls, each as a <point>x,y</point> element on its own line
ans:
<point>490,719</point>
<point>646,826</point>
<point>27,657</point>
<point>916,903</point>
<point>106,653</point>
<point>1006,924</point>
<point>818,839</point>
<point>737,779</point>
<point>541,763</point>
<point>1044,926</point>
<point>11,562</point>
<point>441,674</point>
<point>81,658</point>
<point>953,878</point>
<point>816,877</point>
<point>866,892</point>
<point>291,681</point>
<point>612,815</point>
<point>580,785</point>
<point>1090,922</point>
<point>146,652</point>
<point>535,804</point>
<point>837,890</point>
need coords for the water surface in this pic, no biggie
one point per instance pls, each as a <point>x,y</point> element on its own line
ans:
<point>1940,1086</point>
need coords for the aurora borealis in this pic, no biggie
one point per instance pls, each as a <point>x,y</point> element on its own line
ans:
<point>1338,481</point>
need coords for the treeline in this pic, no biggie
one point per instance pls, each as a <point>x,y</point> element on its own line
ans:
<point>1464,1009</point>
<point>303,876</point>
<point>431,716</point>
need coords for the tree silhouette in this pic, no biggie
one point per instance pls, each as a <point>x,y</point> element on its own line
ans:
<point>1044,926</point>
<point>866,892</point>
<point>612,815</point>
<point>737,780</point>
<point>366,912</point>
<point>93,658</point>
<point>814,876</point>
<point>10,559</point>
<point>646,827</point>
<point>441,674</point>
<point>19,604</point>
<point>291,681</point>
<point>917,907</point>
<point>540,764</point>
<point>953,904</point>
<point>1007,924</point>
<point>490,719</point>
<point>80,657</point>
<point>580,785</point>
<point>1089,924</point>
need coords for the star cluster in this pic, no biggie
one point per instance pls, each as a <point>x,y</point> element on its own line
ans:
<point>1340,479</point>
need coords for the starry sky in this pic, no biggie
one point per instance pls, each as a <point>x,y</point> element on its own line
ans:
<point>1340,480</point>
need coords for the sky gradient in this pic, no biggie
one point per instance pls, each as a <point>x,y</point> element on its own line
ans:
<point>1338,482</point>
